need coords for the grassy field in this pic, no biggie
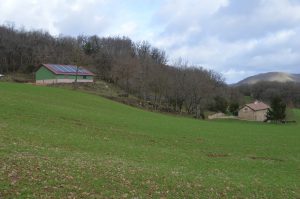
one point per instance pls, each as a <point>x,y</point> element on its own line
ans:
<point>57,143</point>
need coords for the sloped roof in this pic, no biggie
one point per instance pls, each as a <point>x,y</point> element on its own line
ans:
<point>256,106</point>
<point>59,69</point>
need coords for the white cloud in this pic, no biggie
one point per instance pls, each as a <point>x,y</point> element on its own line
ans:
<point>193,9</point>
<point>186,17</point>
<point>56,16</point>
<point>128,28</point>
<point>279,10</point>
<point>279,37</point>
<point>264,37</point>
<point>234,75</point>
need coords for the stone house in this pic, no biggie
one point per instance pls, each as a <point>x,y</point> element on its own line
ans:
<point>255,111</point>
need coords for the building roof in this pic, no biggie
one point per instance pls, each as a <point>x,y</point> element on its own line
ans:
<point>59,69</point>
<point>257,106</point>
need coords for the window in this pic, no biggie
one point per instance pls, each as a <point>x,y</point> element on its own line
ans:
<point>84,77</point>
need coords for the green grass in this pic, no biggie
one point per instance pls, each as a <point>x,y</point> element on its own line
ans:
<point>57,143</point>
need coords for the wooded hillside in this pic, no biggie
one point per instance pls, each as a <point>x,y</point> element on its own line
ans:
<point>136,67</point>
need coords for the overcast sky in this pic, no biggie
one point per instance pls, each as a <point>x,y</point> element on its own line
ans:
<point>235,37</point>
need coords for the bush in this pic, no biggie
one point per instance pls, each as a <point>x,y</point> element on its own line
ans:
<point>234,108</point>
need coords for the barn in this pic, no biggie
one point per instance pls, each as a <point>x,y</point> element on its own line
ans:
<point>56,73</point>
<point>255,111</point>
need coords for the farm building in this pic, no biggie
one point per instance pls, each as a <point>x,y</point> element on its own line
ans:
<point>255,111</point>
<point>55,73</point>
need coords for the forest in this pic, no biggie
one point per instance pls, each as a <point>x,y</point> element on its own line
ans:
<point>138,68</point>
<point>289,92</point>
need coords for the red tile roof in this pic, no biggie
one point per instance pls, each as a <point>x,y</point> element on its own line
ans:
<point>67,69</point>
<point>256,106</point>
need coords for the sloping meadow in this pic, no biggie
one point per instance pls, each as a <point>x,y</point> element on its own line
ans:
<point>57,143</point>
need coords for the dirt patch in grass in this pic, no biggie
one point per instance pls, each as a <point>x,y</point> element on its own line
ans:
<point>215,155</point>
<point>266,158</point>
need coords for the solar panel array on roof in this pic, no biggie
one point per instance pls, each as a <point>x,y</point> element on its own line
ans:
<point>67,69</point>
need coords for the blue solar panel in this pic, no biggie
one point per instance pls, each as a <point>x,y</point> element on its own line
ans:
<point>65,69</point>
<point>60,68</point>
<point>56,67</point>
<point>71,69</point>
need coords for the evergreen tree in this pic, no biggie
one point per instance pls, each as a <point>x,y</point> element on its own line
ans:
<point>234,108</point>
<point>277,111</point>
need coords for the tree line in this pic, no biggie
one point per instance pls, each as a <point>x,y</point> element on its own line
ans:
<point>137,67</point>
<point>289,92</point>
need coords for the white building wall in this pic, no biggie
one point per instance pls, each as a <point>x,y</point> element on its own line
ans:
<point>56,81</point>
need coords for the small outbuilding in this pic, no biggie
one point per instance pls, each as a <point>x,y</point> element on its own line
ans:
<point>56,73</point>
<point>255,111</point>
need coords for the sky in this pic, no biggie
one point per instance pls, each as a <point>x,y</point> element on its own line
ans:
<point>237,38</point>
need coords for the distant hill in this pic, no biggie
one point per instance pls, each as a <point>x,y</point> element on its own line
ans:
<point>270,77</point>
